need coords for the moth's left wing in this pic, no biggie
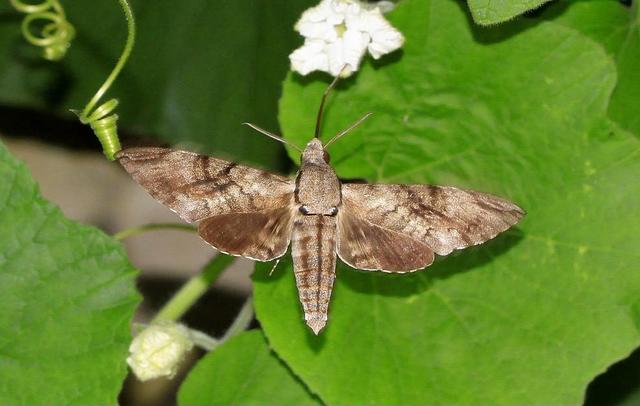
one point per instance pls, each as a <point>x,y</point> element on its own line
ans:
<point>199,186</point>
<point>420,218</point>
<point>242,211</point>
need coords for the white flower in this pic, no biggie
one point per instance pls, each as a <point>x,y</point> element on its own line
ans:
<point>158,350</point>
<point>338,34</point>
<point>309,57</point>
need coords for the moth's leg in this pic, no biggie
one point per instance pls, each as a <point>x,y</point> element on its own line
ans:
<point>275,265</point>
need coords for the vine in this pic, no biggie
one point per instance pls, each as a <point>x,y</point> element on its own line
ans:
<point>55,38</point>
<point>102,122</point>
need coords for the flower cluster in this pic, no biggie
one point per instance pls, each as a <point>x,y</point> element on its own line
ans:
<point>338,33</point>
<point>158,350</point>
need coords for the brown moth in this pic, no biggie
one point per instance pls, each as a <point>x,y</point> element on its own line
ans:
<point>251,213</point>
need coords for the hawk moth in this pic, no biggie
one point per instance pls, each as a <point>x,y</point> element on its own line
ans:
<point>248,212</point>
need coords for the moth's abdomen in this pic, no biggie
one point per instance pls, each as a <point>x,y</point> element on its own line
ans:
<point>314,264</point>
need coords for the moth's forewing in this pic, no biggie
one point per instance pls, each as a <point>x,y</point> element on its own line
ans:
<point>441,217</point>
<point>197,186</point>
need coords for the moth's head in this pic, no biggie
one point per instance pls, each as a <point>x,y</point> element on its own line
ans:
<point>315,152</point>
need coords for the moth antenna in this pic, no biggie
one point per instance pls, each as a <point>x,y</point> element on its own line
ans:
<point>275,137</point>
<point>344,132</point>
<point>324,99</point>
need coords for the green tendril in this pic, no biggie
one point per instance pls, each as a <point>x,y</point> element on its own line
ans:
<point>57,33</point>
<point>55,38</point>
<point>102,122</point>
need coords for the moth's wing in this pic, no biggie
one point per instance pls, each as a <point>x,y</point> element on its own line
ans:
<point>242,211</point>
<point>262,235</point>
<point>442,218</point>
<point>368,246</point>
<point>197,186</point>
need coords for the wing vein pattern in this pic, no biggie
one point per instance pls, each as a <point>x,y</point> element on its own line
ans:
<point>242,211</point>
<point>398,228</point>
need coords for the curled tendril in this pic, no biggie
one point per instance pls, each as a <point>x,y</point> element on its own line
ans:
<point>55,38</point>
<point>56,34</point>
<point>101,120</point>
<point>104,126</point>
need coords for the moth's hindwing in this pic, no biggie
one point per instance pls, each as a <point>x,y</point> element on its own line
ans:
<point>261,236</point>
<point>367,246</point>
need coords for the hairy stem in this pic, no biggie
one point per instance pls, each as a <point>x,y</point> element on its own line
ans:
<point>130,232</point>
<point>193,289</point>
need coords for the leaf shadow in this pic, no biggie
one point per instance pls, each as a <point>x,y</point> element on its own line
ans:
<point>387,59</point>
<point>315,342</point>
<point>458,263</point>
<point>492,34</point>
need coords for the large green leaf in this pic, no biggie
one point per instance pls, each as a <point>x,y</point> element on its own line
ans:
<point>66,300</point>
<point>617,28</point>
<point>243,371</point>
<point>487,12</point>
<point>199,69</point>
<point>529,318</point>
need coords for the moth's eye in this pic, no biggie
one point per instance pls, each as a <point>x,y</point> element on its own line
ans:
<point>333,211</point>
<point>304,209</point>
<point>325,156</point>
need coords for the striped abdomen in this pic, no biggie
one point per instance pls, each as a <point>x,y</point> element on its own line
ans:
<point>314,264</point>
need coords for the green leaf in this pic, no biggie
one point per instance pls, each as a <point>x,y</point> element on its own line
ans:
<point>617,28</point>
<point>486,12</point>
<point>199,69</point>
<point>529,318</point>
<point>243,371</point>
<point>66,300</point>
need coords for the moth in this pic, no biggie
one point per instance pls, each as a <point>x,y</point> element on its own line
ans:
<point>251,213</point>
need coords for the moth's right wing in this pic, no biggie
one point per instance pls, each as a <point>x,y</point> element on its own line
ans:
<point>242,211</point>
<point>398,228</point>
<point>365,245</point>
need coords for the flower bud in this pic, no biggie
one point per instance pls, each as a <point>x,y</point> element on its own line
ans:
<point>158,350</point>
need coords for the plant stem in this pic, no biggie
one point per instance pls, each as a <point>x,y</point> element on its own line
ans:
<point>203,340</point>
<point>130,232</point>
<point>241,322</point>
<point>193,289</point>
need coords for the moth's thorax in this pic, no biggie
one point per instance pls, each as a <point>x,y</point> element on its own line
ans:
<point>317,186</point>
